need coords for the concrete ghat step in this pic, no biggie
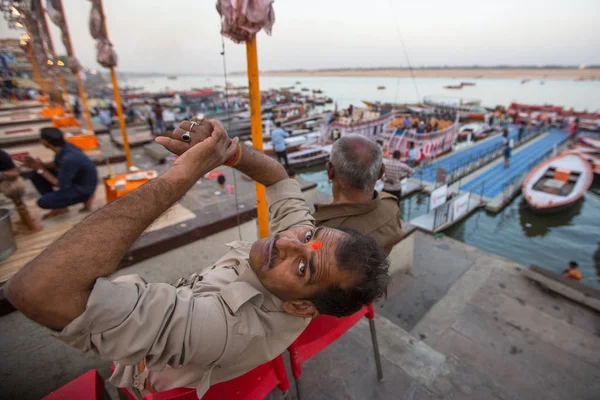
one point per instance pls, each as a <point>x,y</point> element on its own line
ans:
<point>399,347</point>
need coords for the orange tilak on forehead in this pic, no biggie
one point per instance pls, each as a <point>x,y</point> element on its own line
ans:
<point>317,245</point>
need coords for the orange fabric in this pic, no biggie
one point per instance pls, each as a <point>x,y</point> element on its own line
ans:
<point>84,142</point>
<point>147,385</point>
<point>65,122</point>
<point>574,274</point>
<point>562,174</point>
<point>52,112</point>
<point>130,186</point>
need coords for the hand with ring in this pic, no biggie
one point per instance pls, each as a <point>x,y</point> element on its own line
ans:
<point>186,135</point>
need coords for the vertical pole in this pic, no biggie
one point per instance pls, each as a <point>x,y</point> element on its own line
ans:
<point>86,111</point>
<point>257,138</point>
<point>117,95</point>
<point>34,69</point>
<point>53,54</point>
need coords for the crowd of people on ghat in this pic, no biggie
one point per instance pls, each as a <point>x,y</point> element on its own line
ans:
<point>249,306</point>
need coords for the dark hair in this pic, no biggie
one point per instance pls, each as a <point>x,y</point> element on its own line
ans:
<point>221,179</point>
<point>396,154</point>
<point>278,124</point>
<point>573,264</point>
<point>54,136</point>
<point>359,254</point>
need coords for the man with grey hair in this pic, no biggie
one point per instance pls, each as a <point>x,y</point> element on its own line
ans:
<point>354,167</point>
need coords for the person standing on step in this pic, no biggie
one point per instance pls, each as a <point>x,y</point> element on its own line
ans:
<point>508,145</point>
<point>12,186</point>
<point>278,139</point>
<point>395,172</point>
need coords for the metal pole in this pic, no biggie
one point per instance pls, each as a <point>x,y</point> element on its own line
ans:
<point>53,54</point>
<point>257,138</point>
<point>86,111</point>
<point>117,95</point>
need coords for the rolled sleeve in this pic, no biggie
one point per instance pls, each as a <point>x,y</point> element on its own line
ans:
<point>287,207</point>
<point>131,321</point>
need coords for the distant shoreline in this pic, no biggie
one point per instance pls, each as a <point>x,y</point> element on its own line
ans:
<point>499,73</point>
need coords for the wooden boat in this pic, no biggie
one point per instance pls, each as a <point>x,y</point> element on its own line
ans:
<point>380,87</point>
<point>591,155</point>
<point>292,144</point>
<point>590,141</point>
<point>453,87</point>
<point>557,183</point>
<point>467,83</point>
<point>316,155</point>
<point>477,131</point>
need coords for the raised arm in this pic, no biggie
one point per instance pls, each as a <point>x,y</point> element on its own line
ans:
<point>54,288</point>
<point>258,166</point>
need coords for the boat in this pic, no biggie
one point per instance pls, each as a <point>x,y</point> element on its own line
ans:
<point>292,144</point>
<point>172,77</point>
<point>467,83</point>
<point>525,81</point>
<point>590,141</point>
<point>477,130</point>
<point>557,183</point>
<point>304,89</point>
<point>316,155</point>
<point>453,87</point>
<point>466,108</point>
<point>380,87</point>
<point>591,155</point>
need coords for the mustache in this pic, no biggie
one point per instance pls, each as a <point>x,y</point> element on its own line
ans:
<point>274,253</point>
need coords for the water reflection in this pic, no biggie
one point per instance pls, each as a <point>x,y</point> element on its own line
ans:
<point>536,224</point>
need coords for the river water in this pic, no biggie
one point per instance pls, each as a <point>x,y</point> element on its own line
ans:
<point>516,233</point>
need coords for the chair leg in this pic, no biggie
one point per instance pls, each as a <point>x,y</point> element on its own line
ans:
<point>376,349</point>
<point>298,390</point>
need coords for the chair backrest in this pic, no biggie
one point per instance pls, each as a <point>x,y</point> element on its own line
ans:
<point>320,333</point>
<point>256,384</point>
<point>88,386</point>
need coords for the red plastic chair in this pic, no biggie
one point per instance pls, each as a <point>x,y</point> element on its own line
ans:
<point>88,386</point>
<point>253,385</point>
<point>324,330</point>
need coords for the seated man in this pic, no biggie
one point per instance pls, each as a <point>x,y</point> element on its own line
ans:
<point>12,187</point>
<point>354,167</point>
<point>72,172</point>
<point>244,311</point>
<point>395,172</point>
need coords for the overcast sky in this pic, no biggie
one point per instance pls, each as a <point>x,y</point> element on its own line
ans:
<point>182,36</point>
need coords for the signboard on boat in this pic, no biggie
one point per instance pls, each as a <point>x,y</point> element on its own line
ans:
<point>438,197</point>
<point>460,206</point>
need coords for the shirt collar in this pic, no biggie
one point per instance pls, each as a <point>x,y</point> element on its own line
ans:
<point>336,210</point>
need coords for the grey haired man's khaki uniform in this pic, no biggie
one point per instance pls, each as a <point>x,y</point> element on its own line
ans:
<point>212,328</point>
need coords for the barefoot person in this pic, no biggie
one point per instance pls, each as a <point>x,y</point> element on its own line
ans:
<point>12,187</point>
<point>70,179</point>
<point>221,322</point>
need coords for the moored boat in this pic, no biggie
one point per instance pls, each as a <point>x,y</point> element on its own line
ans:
<point>557,183</point>
<point>590,141</point>
<point>316,155</point>
<point>292,144</point>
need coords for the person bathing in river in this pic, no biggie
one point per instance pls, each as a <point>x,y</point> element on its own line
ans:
<point>220,322</point>
<point>572,272</point>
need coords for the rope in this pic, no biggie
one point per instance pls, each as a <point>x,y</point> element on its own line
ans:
<point>235,188</point>
<point>410,68</point>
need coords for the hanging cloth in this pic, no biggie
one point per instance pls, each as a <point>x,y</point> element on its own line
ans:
<point>242,19</point>
<point>105,54</point>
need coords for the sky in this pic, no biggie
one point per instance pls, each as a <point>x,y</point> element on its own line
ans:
<point>182,36</point>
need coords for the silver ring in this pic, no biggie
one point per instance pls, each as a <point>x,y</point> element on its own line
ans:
<point>186,137</point>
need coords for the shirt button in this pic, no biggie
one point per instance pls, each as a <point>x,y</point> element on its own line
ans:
<point>136,384</point>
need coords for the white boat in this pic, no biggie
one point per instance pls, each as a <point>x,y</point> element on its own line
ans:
<point>316,155</point>
<point>589,154</point>
<point>590,141</point>
<point>557,183</point>
<point>292,143</point>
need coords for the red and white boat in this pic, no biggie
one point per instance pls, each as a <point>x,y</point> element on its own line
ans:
<point>557,183</point>
<point>591,155</point>
<point>590,141</point>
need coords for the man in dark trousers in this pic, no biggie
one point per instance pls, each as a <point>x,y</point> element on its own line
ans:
<point>70,179</point>
<point>278,140</point>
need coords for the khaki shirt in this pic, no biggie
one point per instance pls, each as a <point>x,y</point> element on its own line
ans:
<point>212,328</point>
<point>379,218</point>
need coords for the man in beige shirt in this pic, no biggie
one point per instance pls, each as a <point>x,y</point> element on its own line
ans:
<point>354,168</point>
<point>246,310</point>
